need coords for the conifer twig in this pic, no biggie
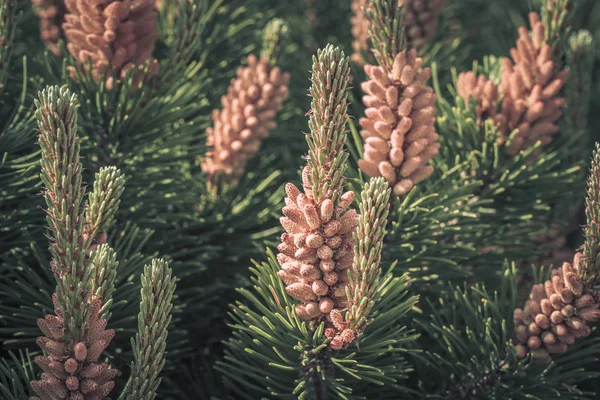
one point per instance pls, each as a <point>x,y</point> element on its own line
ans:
<point>103,202</point>
<point>75,337</point>
<point>102,271</point>
<point>591,248</point>
<point>556,16</point>
<point>64,193</point>
<point>158,287</point>
<point>327,123</point>
<point>368,244</point>
<point>386,32</point>
<point>560,310</point>
<point>317,248</point>
<point>274,38</point>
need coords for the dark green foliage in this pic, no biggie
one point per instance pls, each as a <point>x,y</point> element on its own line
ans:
<point>469,353</point>
<point>460,244</point>
<point>290,361</point>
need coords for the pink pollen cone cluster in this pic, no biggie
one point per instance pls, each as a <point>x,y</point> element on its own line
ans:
<point>315,254</point>
<point>115,35</point>
<point>399,123</point>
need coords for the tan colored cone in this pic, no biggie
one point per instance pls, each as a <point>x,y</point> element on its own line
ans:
<point>51,14</point>
<point>530,88</point>
<point>399,123</point>
<point>557,313</point>
<point>315,254</point>
<point>245,119</point>
<point>74,373</point>
<point>116,36</point>
<point>483,90</point>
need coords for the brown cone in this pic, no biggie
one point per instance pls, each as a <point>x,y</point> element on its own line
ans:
<point>530,86</point>
<point>556,314</point>
<point>483,90</point>
<point>51,14</point>
<point>115,36</point>
<point>315,253</point>
<point>399,127</point>
<point>74,372</point>
<point>247,115</point>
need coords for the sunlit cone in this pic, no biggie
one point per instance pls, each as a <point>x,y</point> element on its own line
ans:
<point>73,371</point>
<point>557,313</point>
<point>530,89</point>
<point>247,116</point>
<point>399,123</point>
<point>115,36</point>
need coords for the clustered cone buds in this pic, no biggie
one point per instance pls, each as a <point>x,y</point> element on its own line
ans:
<point>420,19</point>
<point>315,254</point>
<point>51,14</point>
<point>115,35</point>
<point>557,313</point>
<point>399,128</point>
<point>483,90</point>
<point>360,30</point>
<point>74,373</point>
<point>530,87</point>
<point>528,90</point>
<point>248,114</point>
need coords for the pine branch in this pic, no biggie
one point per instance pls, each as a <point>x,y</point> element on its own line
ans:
<point>386,32</point>
<point>327,123</point>
<point>470,355</point>
<point>368,244</point>
<point>103,202</point>
<point>273,354</point>
<point>188,29</point>
<point>64,192</point>
<point>590,273</point>
<point>15,373</point>
<point>101,273</point>
<point>112,27</point>
<point>274,39</point>
<point>158,287</point>
<point>557,16</point>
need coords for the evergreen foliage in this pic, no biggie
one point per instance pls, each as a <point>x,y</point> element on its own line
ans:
<point>127,267</point>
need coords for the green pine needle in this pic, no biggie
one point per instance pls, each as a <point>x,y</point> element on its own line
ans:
<point>327,122</point>
<point>368,244</point>
<point>104,200</point>
<point>158,287</point>
<point>557,15</point>
<point>8,25</point>
<point>101,273</point>
<point>591,247</point>
<point>274,39</point>
<point>385,30</point>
